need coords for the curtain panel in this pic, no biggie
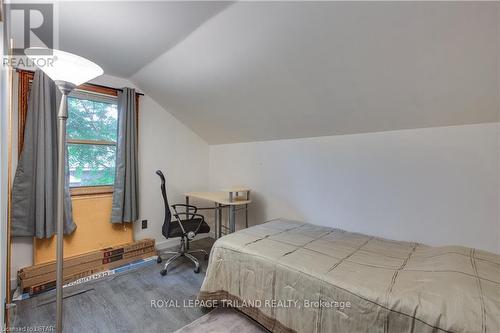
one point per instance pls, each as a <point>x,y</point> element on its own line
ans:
<point>126,188</point>
<point>34,203</point>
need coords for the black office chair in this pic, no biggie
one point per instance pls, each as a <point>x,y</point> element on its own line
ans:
<point>186,229</point>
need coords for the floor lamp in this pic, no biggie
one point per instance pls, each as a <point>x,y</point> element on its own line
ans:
<point>67,71</point>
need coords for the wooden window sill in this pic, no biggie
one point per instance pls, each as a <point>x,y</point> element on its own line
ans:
<point>91,190</point>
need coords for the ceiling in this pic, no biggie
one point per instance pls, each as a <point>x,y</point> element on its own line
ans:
<point>252,71</point>
<point>124,36</point>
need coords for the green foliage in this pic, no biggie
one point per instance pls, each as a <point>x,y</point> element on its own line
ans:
<point>91,120</point>
<point>91,164</point>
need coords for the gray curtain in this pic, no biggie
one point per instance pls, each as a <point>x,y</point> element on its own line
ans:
<point>34,202</point>
<point>125,193</point>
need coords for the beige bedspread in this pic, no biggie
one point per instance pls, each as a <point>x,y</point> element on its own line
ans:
<point>292,276</point>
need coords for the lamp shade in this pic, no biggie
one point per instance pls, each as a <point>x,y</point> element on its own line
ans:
<point>63,66</point>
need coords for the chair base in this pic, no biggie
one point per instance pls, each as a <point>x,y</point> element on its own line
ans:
<point>183,252</point>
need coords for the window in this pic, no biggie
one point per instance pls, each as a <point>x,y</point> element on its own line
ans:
<point>91,136</point>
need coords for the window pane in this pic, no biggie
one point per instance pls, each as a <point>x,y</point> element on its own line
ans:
<point>91,165</point>
<point>91,120</point>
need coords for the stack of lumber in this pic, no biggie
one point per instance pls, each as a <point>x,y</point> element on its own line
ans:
<point>39,278</point>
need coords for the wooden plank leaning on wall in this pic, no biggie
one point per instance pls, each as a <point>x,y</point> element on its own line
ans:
<point>91,205</point>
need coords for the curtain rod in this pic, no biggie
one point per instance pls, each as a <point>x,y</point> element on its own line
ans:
<point>90,84</point>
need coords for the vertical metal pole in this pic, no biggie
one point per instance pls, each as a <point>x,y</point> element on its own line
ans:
<point>246,215</point>
<point>232,218</point>
<point>246,209</point>
<point>61,164</point>
<point>216,221</point>
<point>220,221</point>
<point>187,218</point>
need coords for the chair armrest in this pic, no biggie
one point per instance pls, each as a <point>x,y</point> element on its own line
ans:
<point>189,216</point>
<point>188,207</point>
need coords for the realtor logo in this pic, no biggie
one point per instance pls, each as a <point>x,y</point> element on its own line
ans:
<point>32,25</point>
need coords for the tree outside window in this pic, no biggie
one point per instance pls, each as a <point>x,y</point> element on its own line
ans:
<point>91,136</point>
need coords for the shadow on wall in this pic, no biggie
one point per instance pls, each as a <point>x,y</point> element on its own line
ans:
<point>259,212</point>
<point>257,209</point>
<point>256,212</point>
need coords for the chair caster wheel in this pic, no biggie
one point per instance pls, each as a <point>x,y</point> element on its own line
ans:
<point>163,272</point>
<point>158,260</point>
<point>197,270</point>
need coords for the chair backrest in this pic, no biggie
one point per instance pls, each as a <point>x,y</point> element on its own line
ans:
<point>168,215</point>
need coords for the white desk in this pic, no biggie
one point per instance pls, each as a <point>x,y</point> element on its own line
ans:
<point>232,197</point>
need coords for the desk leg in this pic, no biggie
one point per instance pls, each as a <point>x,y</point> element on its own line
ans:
<point>220,221</point>
<point>232,218</point>
<point>216,221</point>
<point>187,217</point>
<point>246,216</point>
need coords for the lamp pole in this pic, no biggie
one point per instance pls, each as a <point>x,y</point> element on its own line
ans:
<point>65,88</point>
<point>67,71</point>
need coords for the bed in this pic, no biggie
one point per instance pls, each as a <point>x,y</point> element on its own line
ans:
<point>297,277</point>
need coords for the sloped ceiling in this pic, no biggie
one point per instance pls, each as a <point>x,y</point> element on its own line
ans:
<point>259,71</point>
<point>124,36</point>
<point>252,71</point>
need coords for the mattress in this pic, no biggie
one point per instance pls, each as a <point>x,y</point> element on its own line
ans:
<point>297,277</point>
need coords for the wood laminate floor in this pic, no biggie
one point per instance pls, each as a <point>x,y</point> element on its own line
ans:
<point>123,302</point>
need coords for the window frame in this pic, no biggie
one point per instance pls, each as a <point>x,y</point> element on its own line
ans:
<point>98,97</point>
<point>24,85</point>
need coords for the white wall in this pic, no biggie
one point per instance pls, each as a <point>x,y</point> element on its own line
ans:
<point>498,130</point>
<point>164,143</point>
<point>434,185</point>
<point>498,189</point>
